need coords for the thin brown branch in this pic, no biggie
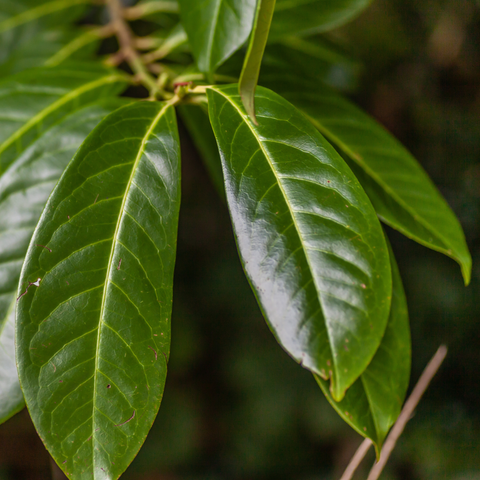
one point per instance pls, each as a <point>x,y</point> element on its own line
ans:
<point>356,459</point>
<point>126,42</point>
<point>410,405</point>
<point>407,411</point>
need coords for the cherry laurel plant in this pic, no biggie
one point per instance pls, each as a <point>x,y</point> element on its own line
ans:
<point>90,199</point>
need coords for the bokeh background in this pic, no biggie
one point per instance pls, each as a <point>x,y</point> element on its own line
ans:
<point>236,406</point>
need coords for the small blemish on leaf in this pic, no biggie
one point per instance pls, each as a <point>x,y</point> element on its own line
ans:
<point>96,199</point>
<point>43,246</point>
<point>153,351</point>
<point>109,386</point>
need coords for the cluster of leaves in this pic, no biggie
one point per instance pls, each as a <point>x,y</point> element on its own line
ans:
<point>90,198</point>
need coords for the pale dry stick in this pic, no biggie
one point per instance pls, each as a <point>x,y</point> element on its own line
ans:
<point>126,42</point>
<point>356,459</point>
<point>407,411</point>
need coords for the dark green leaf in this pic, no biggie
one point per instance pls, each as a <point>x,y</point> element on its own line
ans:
<point>35,99</point>
<point>23,20</point>
<point>24,189</point>
<point>309,239</point>
<point>195,118</point>
<point>402,193</point>
<point>93,335</point>
<point>372,404</point>
<point>313,16</point>
<point>216,29</point>
<point>253,59</point>
<point>311,60</point>
<point>51,48</point>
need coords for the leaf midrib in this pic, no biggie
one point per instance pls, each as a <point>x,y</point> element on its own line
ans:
<point>53,106</point>
<point>293,219</point>
<point>110,262</point>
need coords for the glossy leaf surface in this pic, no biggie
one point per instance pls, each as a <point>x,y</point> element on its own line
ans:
<point>313,16</point>
<point>24,190</point>
<point>93,334</point>
<point>372,404</point>
<point>195,118</point>
<point>308,237</point>
<point>253,59</point>
<point>402,193</point>
<point>33,100</point>
<point>216,29</point>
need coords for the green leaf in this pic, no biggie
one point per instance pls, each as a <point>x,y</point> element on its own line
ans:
<point>11,396</point>
<point>51,48</point>
<point>310,242</point>
<point>311,60</point>
<point>195,118</point>
<point>35,99</point>
<point>401,192</point>
<point>93,335</point>
<point>23,20</point>
<point>216,29</point>
<point>372,404</point>
<point>313,16</point>
<point>24,190</point>
<point>253,59</point>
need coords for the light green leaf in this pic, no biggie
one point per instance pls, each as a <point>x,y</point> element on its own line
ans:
<point>401,192</point>
<point>93,334</point>
<point>310,242</point>
<point>253,59</point>
<point>195,118</point>
<point>35,99</point>
<point>372,404</point>
<point>313,16</point>
<point>24,190</point>
<point>216,29</point>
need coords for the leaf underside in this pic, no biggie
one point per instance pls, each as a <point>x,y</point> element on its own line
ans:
<point>308,237</point>
<point>372,404</point>
<point>253,58</point>
<point>401,192</point>
<point>93,335</point>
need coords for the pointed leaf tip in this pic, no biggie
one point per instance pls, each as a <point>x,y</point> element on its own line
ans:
<point>310,242</point>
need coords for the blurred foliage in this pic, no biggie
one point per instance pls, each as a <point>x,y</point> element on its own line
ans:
<point>236,406</point>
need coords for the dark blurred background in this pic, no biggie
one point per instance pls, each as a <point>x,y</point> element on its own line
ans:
<point>235,405</point>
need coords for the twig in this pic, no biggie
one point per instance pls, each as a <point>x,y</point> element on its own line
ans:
<point>356,459</point>
<point>126,43</point>
<point>410,405</point>
<point>407,411</point>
